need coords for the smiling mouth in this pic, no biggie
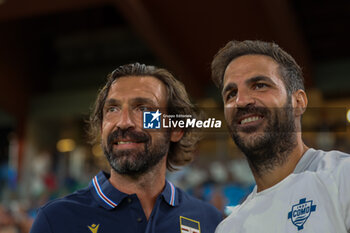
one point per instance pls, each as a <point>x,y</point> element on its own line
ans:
<point>249,120</point>
<point>126,144</point>
<point>122,143</point>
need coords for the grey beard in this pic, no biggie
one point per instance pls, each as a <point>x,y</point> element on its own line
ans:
<point>141,164</point>
<point>136,163</point>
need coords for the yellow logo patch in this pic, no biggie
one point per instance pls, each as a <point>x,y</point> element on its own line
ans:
<point>94,228</point>
<point>188,225</point>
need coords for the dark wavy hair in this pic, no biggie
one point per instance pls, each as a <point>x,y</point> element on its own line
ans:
<point>178,102</point>
<point>288,68</point>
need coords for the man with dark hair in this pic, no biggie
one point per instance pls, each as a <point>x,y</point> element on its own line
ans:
<point>297,188</point>
<point>135,196</point>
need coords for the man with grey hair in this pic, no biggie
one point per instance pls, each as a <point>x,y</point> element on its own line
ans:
<point>297,188</point>
<point>135,196</point>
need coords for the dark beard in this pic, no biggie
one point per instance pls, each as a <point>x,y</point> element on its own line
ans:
<point>135,162</point>
<point>274,146</point>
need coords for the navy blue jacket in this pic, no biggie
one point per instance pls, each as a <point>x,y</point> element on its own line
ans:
<point>101,208</point>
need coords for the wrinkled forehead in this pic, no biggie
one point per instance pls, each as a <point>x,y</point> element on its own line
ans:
<point>131,87</point>
<point>248,66</point>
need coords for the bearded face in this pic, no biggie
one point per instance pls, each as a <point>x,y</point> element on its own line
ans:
<point>136,160</point>
<point>259,110</point>
<point>130,149</point>
<point>267,144</point>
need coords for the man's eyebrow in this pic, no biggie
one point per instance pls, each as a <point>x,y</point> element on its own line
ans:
<point>112,101</point>
<point>248,81</point>
<point>259,78</point>
<point>143,100</point>
<point>228,87</point>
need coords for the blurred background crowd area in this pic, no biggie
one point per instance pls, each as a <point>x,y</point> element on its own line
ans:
<point>55,55</point>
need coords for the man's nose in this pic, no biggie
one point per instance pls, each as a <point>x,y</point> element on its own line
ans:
<point>243,99</point>
<point>126,119</point>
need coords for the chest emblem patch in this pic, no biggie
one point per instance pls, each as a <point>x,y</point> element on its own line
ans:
<point>301,212</point>
<point>94,228</point>
<point>188,225</point>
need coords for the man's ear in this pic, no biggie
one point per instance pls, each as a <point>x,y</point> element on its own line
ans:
<point>176,135</point>
<point>299,102</point>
